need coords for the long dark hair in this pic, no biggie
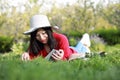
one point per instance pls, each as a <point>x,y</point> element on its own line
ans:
<point>36,46</point>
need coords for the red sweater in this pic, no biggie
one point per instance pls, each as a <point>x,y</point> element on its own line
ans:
<point>62,44</point>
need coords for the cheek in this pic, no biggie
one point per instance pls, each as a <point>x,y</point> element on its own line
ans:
<point>37,38</point>
<point>47,38</point>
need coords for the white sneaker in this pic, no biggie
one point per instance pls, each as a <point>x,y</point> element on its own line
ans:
<point>85,40</point>
<point>88,50</point>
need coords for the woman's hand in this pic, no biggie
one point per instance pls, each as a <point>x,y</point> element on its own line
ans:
<point>58,55</point>
<point>25,56</point>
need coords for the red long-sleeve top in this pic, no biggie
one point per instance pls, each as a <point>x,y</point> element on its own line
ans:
<point>62,44</point>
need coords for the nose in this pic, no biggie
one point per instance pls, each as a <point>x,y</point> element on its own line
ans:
<point>41,37</point>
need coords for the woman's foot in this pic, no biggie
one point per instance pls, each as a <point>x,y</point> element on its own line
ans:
<point>85,40</point>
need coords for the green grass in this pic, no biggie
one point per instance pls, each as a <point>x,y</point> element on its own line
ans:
<point>95,68</point>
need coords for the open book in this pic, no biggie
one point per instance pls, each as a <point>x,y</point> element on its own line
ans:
<point>48,57</point>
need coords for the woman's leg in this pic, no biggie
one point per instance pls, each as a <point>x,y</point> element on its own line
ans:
<point>80,48</point>
<point>83,45</point>
<point>85,40</point>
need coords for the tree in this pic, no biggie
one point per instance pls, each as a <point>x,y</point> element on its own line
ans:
<point>112,14</point>
<point>13,22</point>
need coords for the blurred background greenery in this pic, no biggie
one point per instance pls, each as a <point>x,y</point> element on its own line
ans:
<point>101,20</point>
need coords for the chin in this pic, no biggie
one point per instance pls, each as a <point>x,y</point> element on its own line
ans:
<point>44,42</point>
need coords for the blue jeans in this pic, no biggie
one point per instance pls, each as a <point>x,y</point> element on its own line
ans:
<point>80,48</point>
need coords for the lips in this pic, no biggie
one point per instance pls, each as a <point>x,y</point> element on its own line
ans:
<point>43,41</point>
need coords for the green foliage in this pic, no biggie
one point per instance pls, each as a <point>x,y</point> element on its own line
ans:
<point>95,68</point>
<point>5,43</point>
<point>72,41</point>
<point>73,17</point>
<point>70,18</point>
<point>111,36</point>
<point>113,55</point>
<point>97,46</point>
<point>14,22</point>
<point>19,48</point>
<point>74,33</point>
<point>111,14</point>
<point>81,17</point>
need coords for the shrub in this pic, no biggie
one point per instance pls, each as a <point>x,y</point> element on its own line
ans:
<point>19,47</point>
<point>97,47</point>
<point>72,41</point>
<point>111,36</point>
<point>75,34</point>
<point>5,43</point>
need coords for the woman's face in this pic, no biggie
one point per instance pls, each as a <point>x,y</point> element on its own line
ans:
<point>42,36</point>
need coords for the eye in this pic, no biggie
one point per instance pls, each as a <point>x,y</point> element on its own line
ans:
<point>43,33</point>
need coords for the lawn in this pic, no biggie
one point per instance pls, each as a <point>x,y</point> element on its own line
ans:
<point>94,68</point>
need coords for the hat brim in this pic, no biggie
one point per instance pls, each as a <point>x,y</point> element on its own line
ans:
<point>33,29</point>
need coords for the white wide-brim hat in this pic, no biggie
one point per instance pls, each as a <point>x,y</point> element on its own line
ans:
<point>36,22</point>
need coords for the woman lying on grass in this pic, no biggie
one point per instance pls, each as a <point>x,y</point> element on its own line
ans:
<point>43,40</point>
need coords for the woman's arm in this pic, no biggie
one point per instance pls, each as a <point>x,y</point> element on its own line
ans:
<point>63,44</point>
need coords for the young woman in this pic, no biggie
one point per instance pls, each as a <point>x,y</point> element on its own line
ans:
<point>43,40</point>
